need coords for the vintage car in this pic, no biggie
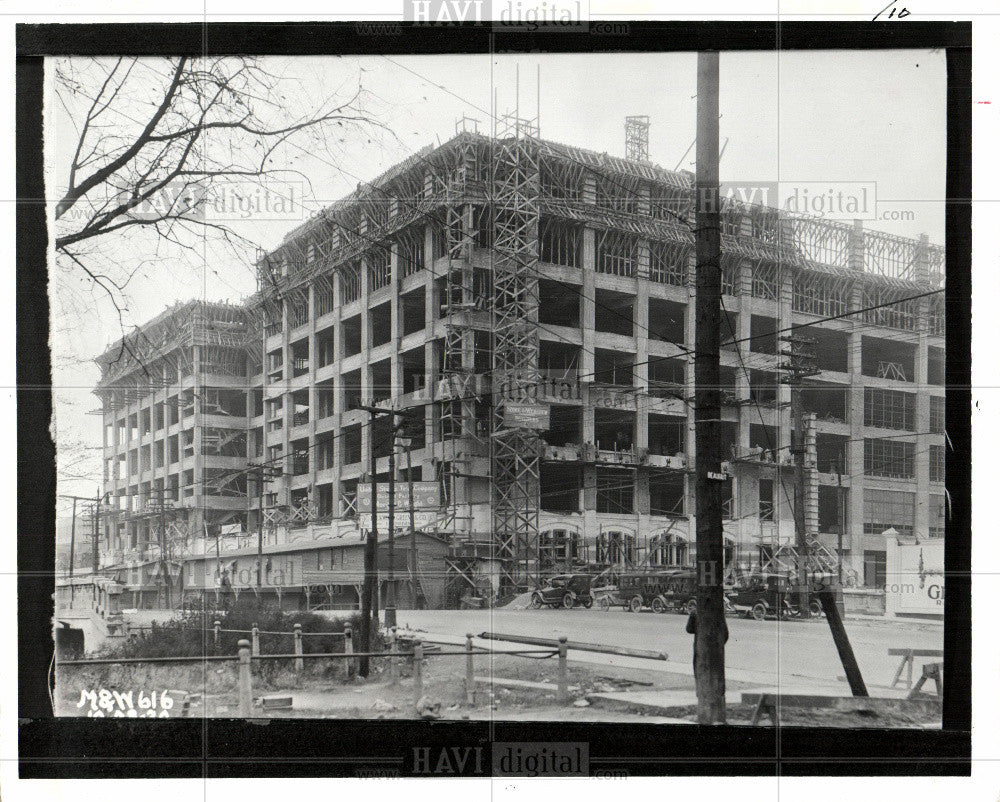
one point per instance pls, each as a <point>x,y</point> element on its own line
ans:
<point>762,595</point>
<point>659,590</point>
<point>564,590</point>
<point>606,596</point>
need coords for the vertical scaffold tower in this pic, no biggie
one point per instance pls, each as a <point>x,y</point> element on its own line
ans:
<point>514,450</point>
<point>458,411</point>
<point>637,138</point>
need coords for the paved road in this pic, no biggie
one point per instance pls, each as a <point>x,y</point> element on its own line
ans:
<point>799,653</point>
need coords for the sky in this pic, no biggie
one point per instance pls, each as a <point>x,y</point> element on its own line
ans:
<point>817,116</point>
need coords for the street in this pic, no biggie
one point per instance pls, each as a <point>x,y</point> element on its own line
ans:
<point>798,654</point>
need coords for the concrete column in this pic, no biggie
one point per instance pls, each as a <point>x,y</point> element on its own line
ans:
<point>199,459</point>
<point>395,375</point>
<point>432,306</point>
<point>366,360</point>
<point>811,476</point>
<point>587,322</point>
<point>854,537</point>
<point>784,393</point>
<point>641,317</point>
<point>313,391</point>
<point>431,370</point>
<point>641,376</point>
<point>642,495</point>
<point>921,264</point>
<point>922,425</point>
<point>338,390</point>
<point>468,335</point>
<point>690,317</point>
<point>747,412</point>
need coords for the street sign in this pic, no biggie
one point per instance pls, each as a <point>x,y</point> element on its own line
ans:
<point>719,477</point>
<point>421,520</point>
<point>525,416</point>
<point>426,495</point>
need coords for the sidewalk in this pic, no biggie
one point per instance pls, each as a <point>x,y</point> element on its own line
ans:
<point>670,666</point>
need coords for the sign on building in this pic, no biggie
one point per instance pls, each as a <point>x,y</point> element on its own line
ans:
<point>914,577</point>
<point>525,416</point>
<point>426,496</point>
<point>422,519</point>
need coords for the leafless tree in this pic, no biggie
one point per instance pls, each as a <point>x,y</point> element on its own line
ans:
<point>143,149</point>
<point>156,141</point>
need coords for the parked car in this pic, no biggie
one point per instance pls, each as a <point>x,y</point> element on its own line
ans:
<point>658,590</point>
<point>762,595</point>
<point>564,590</point>
<point>679,593</point>
<point>607,596</point>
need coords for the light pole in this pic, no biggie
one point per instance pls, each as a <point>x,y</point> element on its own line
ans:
<point>390,601</point>
<point>263,472</point>
<point>407,442</point>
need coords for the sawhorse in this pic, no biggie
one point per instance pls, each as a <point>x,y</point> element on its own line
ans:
<point>907,662</point>
<point>930,671</point>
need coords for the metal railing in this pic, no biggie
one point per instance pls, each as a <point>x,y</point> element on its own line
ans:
<point>249,650</point>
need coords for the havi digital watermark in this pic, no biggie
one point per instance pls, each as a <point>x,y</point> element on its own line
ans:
<point>836,200</point>
<point>550,15</point>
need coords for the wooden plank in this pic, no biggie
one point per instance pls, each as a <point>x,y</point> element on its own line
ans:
<point>771,702</point>
<point>518,683</point>
<point>645,654</point>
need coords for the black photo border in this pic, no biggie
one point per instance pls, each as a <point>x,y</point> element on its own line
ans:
<point>129,748</point>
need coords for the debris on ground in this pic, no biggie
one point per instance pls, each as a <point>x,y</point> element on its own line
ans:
<point>383,706</point>
<point>520,602</point>
<point>428,709</point>
<point>581,703</point>
<point>622,681</point>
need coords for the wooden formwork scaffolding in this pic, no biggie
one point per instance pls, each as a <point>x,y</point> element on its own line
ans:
<point>458,414</point>
<point>531,184</point>
<point>515,451</point>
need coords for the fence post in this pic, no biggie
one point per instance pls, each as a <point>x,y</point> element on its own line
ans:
<point>563,691</point>
<point>393,660</point>
<point>298,646</point>
<point>349,648</point>
<point>246,694</point>
<point>470,673</point>
<point>418,672</point>
<point>255,640</point>
<point>218,625</point>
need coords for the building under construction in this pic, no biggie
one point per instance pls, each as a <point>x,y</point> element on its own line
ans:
<point>530,305</point>
<point>174,401</point>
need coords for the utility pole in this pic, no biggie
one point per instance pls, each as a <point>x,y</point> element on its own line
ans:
<point>390,607</point>
<point>97,528</point>
<point>263,472</point>
<point>72,536</point>
<point>390,601</point>
<point>407,443</point>
<point>842,503</point>
<point>164,568</point>
<point>710,655</point>
<point>369,592</point>
<point>801,363</point>
<point>72,539</point>
<point>260,526</point>
<point>406,427</point>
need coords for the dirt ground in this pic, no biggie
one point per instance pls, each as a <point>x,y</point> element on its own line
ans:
<point>325,692</point>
